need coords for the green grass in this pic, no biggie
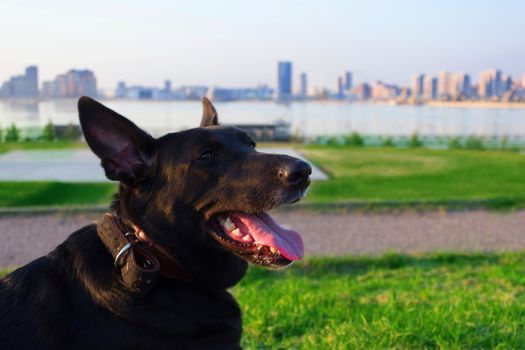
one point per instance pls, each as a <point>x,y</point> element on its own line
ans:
<point>27,194</point>
<point>384,174</point>
<point>437,301</point>
<point>40,145</point>
<point>450,301</point>
<point>369,175</point>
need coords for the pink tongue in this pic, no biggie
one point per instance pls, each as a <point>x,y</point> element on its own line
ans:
<point>266,231</point>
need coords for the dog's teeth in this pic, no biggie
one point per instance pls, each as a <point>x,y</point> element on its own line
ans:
<point>247,238</point>
<point>236,233</point>
<point>228,224</point>
<point>273,250</point>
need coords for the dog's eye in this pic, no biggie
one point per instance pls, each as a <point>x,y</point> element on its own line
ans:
<point>252,144</point>
<point>206,156</point>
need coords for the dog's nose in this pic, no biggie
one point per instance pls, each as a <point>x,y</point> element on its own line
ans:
<point>295,173</point>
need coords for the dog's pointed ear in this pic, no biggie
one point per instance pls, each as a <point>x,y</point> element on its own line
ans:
<point>125,150</point>
<point>209,114</point>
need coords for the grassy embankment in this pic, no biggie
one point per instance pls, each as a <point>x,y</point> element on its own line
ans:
<point>369,175</point>
<point>5,146</point>
<point>472,301</point>
<point>418,175</point>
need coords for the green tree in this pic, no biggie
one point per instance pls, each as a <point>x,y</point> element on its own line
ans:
<point>414,141</point>
<point>72,132</point>
<point>48,134</point>
<point>1,134</point>
<point>388,142</point>
<point>12,134</point>
<point>454,143</point>
<point>504,143</point>
<point>354,139</point>
<point>474,143</point>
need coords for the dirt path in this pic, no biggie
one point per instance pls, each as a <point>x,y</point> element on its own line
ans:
<point>24,238</point>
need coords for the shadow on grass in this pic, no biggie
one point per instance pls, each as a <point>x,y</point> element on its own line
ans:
<point>319,267</point>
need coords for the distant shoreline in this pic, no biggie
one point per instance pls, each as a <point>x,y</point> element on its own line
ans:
<point>475,104</point>
<point>460,104</point>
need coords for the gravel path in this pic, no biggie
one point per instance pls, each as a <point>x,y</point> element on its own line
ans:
<point>25,238</point>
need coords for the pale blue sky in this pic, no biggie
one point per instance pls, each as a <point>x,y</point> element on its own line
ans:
<point>233,43</point>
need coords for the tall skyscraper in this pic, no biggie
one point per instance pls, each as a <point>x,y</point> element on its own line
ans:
<point>304,85</point>
<point>22,86</point>
<point>363,91</point>
<point>465,85</point>
<point>167,86</point>
<point>417,85</point>
<point>430,85</point>
<point>506,84</point>
<point>73,84</point>
<point>490,83</point>
<point>444,79</point>
<point>284,80</point>
<point>348,81</point>
<point>340,88</point>
<point>31,78</point>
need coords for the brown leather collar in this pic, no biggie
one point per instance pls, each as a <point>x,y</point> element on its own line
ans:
<point>139,259</point>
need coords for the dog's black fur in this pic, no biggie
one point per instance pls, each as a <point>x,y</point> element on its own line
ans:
<point>171,187</point>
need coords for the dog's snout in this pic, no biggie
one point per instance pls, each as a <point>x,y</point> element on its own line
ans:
<point>296,173</point>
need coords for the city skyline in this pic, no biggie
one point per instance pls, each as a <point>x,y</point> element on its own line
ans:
<point>235,43</point>
<point>446,86</point>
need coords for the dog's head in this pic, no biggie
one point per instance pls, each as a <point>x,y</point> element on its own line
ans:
<point>202,192</point>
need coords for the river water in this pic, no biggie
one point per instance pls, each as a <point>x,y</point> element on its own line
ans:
<point>306,118</point>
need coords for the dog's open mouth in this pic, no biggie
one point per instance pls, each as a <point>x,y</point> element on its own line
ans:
<point>257,238</point>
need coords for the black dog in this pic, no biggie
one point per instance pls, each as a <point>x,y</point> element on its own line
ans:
<point>154,273</point>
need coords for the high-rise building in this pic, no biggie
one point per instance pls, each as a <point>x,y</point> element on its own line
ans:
<point>167,86</point>
<point>490,83</point>
<point>506,84</point>
<point>443,85</point>
<point>31,82</point>
<point>459,86</point>
<point>363,91</point>
<point>22,86</point>
<point>417,85</point>
<point>284,80</point>
<point>383,91</point>
<point>73,84</point>
<point>304,85</point>
<point>430,87</point>
<point>348,81</point>
<point>340,88</point>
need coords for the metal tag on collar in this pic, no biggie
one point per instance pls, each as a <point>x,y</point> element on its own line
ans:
<point>123,250</point>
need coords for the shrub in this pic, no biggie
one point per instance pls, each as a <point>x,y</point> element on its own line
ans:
<point>414,141</point>
<point>388,142</point>
<point>71,133</point>
<point>12,134</point>
<point>48,134</point>
<point>454,143</point>
<point>474,143</point>
<point>354,139</point>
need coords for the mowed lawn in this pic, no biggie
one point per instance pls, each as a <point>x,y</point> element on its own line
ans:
<point>443,301</point>
<point>29,194</point>
<point>390,174</point>
<point>372,175</point>
<point>40,145</point>
<point>448,301</point>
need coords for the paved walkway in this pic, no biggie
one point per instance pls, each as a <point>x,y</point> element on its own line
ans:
<point>77,165</point>
<point>25,238</point>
